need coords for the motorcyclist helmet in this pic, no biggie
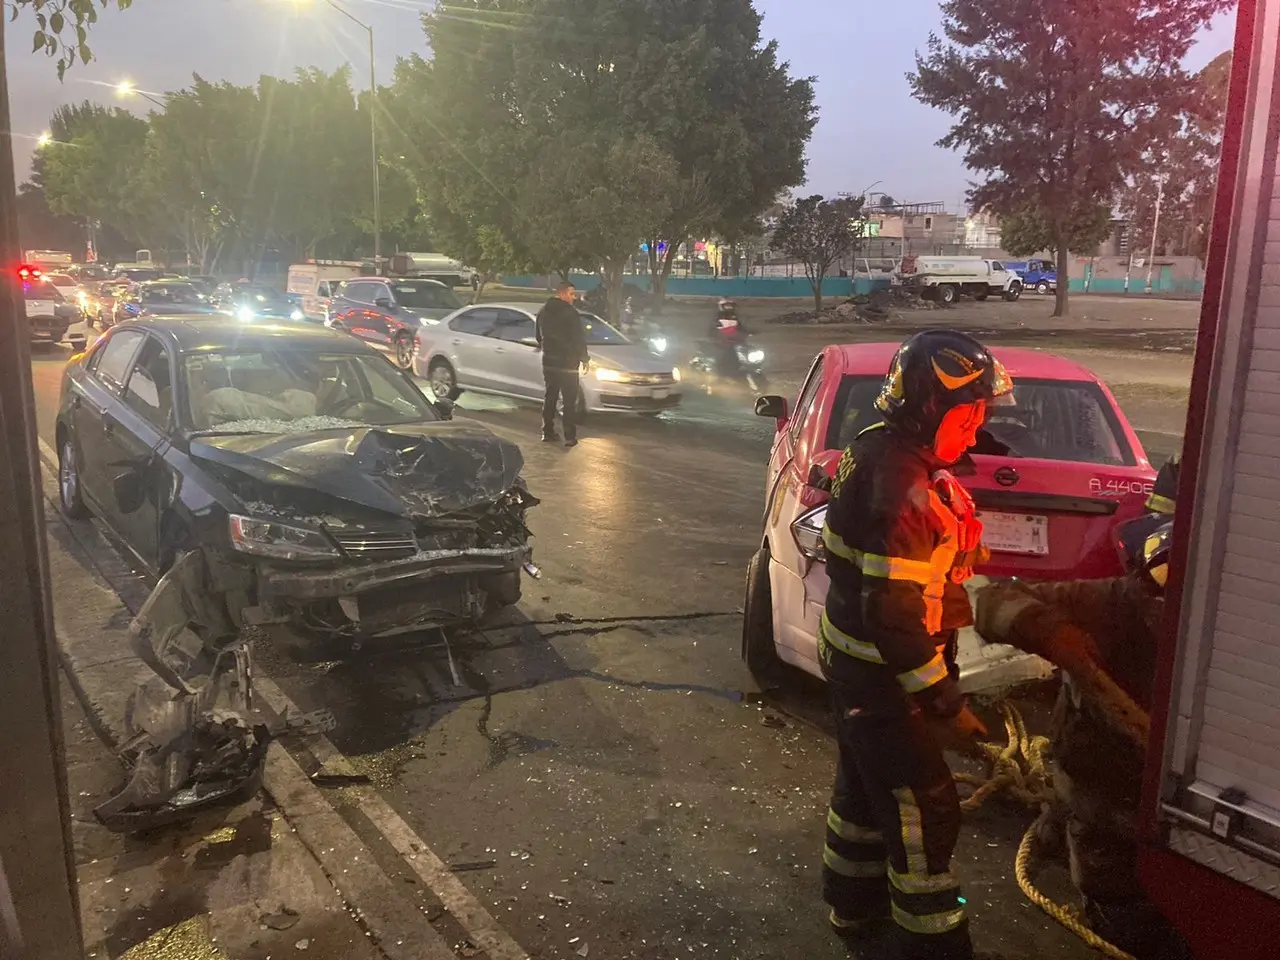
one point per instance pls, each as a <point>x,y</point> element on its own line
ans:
<point>935,371</point>
<point>727,305</point>
<point>1145,544</point>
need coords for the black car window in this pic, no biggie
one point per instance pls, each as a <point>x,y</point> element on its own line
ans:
<point>425,296</point>
<point>379,291</point>
<point>514,326</point>
<point>114,359</point>
<point>599,333</point>
<point>150,387</point>
<point>173,293</point>
<point>478,322</point>
<point>360,291</point>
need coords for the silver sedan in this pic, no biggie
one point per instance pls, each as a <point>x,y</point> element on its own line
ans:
<point>492,348</point>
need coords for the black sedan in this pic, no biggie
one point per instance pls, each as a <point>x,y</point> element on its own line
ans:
<point>161,298</point>
<point>323,489</point>
<point>250,302</point>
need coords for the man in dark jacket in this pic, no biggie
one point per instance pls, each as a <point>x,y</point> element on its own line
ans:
<point>901,537</point>
<point>1106,629</point>
<point>564,354</point>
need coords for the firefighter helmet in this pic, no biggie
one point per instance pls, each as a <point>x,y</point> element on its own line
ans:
<point>1145,544</point>
<point>934,371</point>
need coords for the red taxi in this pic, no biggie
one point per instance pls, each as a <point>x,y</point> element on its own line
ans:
<point>1051,475</point>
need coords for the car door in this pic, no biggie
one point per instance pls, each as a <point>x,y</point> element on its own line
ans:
<point>134,438</point>
<point>472,341</point>
<point>517,364</point>
<point>359,316</point>
<point>95,405</point>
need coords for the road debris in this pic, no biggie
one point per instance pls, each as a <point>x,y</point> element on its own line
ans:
<point>302,944</point>
<point>283,920</point>
<point>341,779</point>
<point>773,721</point>
<point>469,866</point>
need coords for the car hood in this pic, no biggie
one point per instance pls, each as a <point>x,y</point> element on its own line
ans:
<point>412,470</point>
<point>178,309</point>
<point>629,358</point>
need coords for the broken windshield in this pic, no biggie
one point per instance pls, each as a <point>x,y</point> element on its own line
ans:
<point>290,390</point>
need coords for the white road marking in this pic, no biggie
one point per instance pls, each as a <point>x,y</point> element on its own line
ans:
<point>47,452</point>
<point>484,931</point>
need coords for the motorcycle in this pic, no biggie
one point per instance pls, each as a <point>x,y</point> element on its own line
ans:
<point>750,365</point>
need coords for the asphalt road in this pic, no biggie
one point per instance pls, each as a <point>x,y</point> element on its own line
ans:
<point>603,760</point>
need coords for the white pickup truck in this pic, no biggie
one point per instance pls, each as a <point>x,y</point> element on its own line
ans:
<point>945,279</point>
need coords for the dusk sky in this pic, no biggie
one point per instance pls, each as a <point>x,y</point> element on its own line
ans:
<point>869,129</point>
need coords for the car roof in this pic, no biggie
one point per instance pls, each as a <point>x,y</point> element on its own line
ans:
<point>874,358</point>
<point>213,332</point>
<point>529,308</point>
<point>435,283</point>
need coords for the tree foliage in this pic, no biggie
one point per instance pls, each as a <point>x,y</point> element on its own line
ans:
<point>62,27</point>
<point>522,96</point>
<point>1055,105</point>
<point>89,167</point>
<point>1187,162</point>
<point>818,232</point>
<point>1027,231</point>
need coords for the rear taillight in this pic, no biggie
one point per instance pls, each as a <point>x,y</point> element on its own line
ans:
<point>807,532</point>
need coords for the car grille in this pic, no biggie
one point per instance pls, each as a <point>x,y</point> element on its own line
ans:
<point>648,379</point>
<point>378,546</point>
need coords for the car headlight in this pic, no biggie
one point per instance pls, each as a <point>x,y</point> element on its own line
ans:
<point>807,532</point>
<point>296,315</point>
<point>755,356</point>
<point>267,538</point>
<point>607,375</point>
<point>244,313</point>
<point>675,374</point>
<point>659,344</point>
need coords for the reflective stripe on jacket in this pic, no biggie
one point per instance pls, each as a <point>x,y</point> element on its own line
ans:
<point>894,604</point>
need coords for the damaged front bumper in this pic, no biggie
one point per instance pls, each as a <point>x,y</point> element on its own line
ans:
<point>429,589</point>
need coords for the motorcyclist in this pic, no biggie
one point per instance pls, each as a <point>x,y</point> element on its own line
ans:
<point>1104,633</point>
<point>727,333</point>
<point>901,536</point>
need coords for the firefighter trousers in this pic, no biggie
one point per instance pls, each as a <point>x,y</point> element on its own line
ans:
<point>891,829</point>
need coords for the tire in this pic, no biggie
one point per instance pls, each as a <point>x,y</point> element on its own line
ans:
<point>1013,293</point>
<point>69,498</point>
<point>443,380</point>
<point>981,296</point>
<point>1042,286</point>
<point>947,294</point>
<point>404,352</point>
<point>758,649</point>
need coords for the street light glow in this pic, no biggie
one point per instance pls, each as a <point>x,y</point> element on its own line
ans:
<point>44,139</point>
<point>126,88</point>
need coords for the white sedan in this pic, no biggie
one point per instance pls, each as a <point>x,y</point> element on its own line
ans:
<point>492,348</point>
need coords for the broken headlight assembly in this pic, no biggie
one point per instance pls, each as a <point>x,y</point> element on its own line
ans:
<point>281,541</point>
<point>807,531</point>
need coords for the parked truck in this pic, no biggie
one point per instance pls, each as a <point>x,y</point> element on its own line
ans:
<point>946,279</point>
<point>1210,858</point>
<point>1039,275</point>
<point>434,266</point>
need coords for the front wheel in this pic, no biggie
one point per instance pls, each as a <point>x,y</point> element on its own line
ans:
<point>443,380</point>
<point>404,352</point>
<point>758,649</point>
<point>1042,286</point>
<point>69,498</point>
<point>1013,293</point>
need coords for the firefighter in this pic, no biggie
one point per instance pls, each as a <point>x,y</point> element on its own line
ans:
<point>1164,492</point>
<point>1112,625</point>
<point>901,537</point>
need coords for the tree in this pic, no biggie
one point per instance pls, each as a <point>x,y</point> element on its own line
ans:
<point>692,80</point>
<point>886,202</point>
<point>58,21</point>
<point>1055,105</point>
<point>819,232</point>
<point>1187,163</point>
<point>1027,231</point>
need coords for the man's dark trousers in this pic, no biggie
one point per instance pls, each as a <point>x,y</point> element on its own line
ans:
<point>560,384</point>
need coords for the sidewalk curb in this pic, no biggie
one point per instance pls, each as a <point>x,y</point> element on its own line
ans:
<point>96,612</point>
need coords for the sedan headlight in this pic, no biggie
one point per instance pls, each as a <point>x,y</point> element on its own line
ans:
<point>244,314</point>
<point>297,315</point>
<point>807,532</point>
<point>607,375</point>
<point>675,374</point>
<point>281,541</point>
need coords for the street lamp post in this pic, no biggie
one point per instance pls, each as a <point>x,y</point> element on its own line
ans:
<point>126,88</point>
<point>1155,231</point>
<point>373,131</point>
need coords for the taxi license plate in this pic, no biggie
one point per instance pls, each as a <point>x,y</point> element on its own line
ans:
<point>660,394</point>
<point>1015,533</point>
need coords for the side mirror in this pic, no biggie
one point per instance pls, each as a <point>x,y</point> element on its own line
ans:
<point>444,407</point>
<point>818,478</point>
<point>772,406</point>
<point>383,302</point>
<point>129,491</point>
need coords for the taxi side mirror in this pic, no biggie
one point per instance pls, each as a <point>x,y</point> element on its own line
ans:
<point>773,407</point>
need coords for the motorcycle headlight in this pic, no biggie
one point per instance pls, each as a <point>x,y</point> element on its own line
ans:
<point>675,374</point>
<point>244,314</point>
<point>296,315</point>
<point>807,532</point>
<point>659,344</point>
<point>607,375</point>
<point>755,356</point>
<point>281,541</point>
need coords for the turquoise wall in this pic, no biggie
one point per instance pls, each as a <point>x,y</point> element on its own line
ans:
<point>740,287</point>
<point>1182,286</point>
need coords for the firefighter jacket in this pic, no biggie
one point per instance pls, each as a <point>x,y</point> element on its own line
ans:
<point>1113,623</point>
<point>1164,492</point>
<point>896,564</point>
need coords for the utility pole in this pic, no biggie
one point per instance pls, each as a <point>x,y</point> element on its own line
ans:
<point>39,903</point>
<point>1155,231</point>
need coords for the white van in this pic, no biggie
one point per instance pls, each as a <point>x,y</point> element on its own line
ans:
<point>316,281</point>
